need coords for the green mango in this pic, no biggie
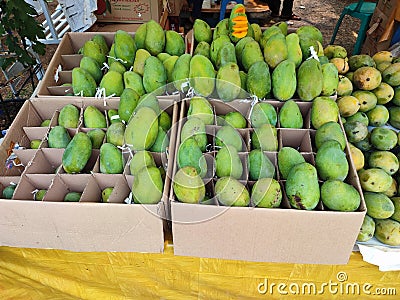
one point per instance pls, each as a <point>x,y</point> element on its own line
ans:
<point>267,193</point>
<point>202,31</point>
<point>243,84</point>
<point>94,118</point>
<point>155,38</point>
<point>39,195</point>
<point>257,31</point>
<point>180,74</point>
<point>239,48</point>
<point>188,185</point>
<point>375,180</point>
<point>360,117</point>
<point>77,153</point>
<point>265,138</point>
<point>105,194</point>
<point>94,50</point>
<point>142,129</point>
<point>115,134</point>
<point>101,41</point>
<point>394,116</point>
<point>235,119</point>
<point>345,86</point>
<point>259,165</point>
<point>127,104</point>
<point>149,100</point>
<point>117,67</point>
<point>222,28</point>
<point>230,192</point>
<point>35,144</point>
<point>163,56</point>
<point>96,136</point>
<point>69,116</point>
<point>140,59</point>
<point>275,50</point>
<point>379,206</point>
<point>383,138</point>
<point>259,80</point>
<point>147,186</point>
<point>83,83</point>
<point>113,83</point>
<point>330,131</point>
<point>228,84</point>
<point>134,81</point>
<point>367,100</point>
<point>384,93</point>
<point>199,107</point>
<point>228,163</point>
<point>251,54</point>
<point>58,137</point>
<point>263,113</point>
<point>305,44</point>
<point>8,191</point>
<point>302,188</point>
<point>284,80</point>
<point>392,191</point>
<point>288,157</point>
<point>46,122</point>
<point>332,51</point>
<point>340,196</point>
<point>162,141</point>
<point>330,81</point>
<point>155,76</point>
<point>367,78</point>
<point>388,232</point>
<point>169,65</point>
<point>164,121</point>
<point>140,36</point>
<point>378,116</point>
<point>139,160</point>
<point>124,48</point>
<point>360,60</point>
<point>290,115</point>
<point>111,55</point>
<point>367,229</point>
<point>310,31</point>
<point>202,75</point>
<point>268,33</point>
<point>384,160</point>
<point>355,131</point>
<point>309,80</point>
<point>323,110</point>
<point>216,45</point>
<point>227,135</point>
<point>331,161</point>
<point>391,75</point>
<point>174,43</point>
<point>72,197</point>
<point>294,50</point>
<point>396,203</point>
<point>202,48</point>
<point>111,160</point>
<point>226,54</point>
<point>196,129</point>
<point>92,67</point>
<point>113,116</point>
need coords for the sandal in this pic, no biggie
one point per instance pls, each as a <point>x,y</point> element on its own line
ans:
<point>292,17</point>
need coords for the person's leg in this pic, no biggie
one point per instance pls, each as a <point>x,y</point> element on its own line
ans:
<point>287,11</point>
<point>274,6</point>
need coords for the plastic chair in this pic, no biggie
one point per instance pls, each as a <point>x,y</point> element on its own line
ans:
<point>224,3</point>
<point>360,10</point>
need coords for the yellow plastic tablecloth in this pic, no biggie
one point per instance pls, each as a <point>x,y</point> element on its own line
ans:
<point>55,274</point>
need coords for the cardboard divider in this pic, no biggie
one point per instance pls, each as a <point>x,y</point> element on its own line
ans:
<point>45,161</point>
<point>25,155</point>
<point>298,139</point>
<point>70,61</point>
<point>65,183</point>
<point>6,181</point>
<point>29,183</point>
<point>119,184</point>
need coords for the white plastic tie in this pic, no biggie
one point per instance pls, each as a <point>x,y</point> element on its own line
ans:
<point>128,200</point>
<point>106,98</point>
<point>314,54</point>
<point>105,66</point>
<point>118,59</point>
<point>80,94</point>
<point>34,192</point>
<point>184,85</point>
<point>190,93</point>
<point>57,75</point>
<point>13,183</point>
<point>130,69</point>
<point>99,93</point>
<point>254,101</point>
<point>115,117</point>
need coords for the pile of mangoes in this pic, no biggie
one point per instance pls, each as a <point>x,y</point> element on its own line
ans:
<point>369,99</point>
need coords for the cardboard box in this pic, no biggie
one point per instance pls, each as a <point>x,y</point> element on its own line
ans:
<point>258,234</point>
<point>88,225</point>
<point>132,11</point>
<point>387,6</point>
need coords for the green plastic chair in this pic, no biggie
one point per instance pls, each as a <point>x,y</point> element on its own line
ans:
<point>360,10</point>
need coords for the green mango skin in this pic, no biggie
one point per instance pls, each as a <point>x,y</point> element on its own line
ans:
<point>155,76</point>
<point>378,116</point>
<point>147,186</point>
<point>226,54</point>
<point>222,28</point>
<point>83,83</point>
<point>141,159</point>
<point>196,129</point>
<point>72,197</point>
<point>200,108</point>
<point>384,93</point>
<point>360,60</point>
<point>340,196</point>
<point>155,38</point>
<point>113,83</point>
<point>384,160</point>
<point>96,136</point>
<point>268,33</point>
<point>113,116</point>
<point>290,115</point>
<point>251,54</point>
<point>388,232</point>
<point>259,165</point>
<point>174,43</point>
<point>140,58</point>
<point>360,117</point>
<point>330,131</point>
<point>355,131</point>
<point>135,136</point>
<point>235,119</point>
<point>330,77</point>
<point>124,47</point>
<point>391,75</point>
<point>134,81</point>
<point>164,121</point>
<point>227,135</point>
<point>288,157</point>
<point>383,138</point>
<point>202,48</point>
<point>257,31</point>
<point>149,100</point>
<point>127,104</point>
<point>94,118</point>
<point>396,203</point>
<point>117,67</point>
<point>162,141</point>
<point>202,75</point>
<point>375,180</point>
<point>332,51</point>
<point>275,50</point>
<point>202,31</point>
<point>189,154</point>
<point>188,185</point>
<point>58,137</point>
<point>323,110</point>
<point>331,161</point>
<point>105,194</point>
<point>39,195</point>
<point>302,186</point>
<point>215,46</point>
<point>140,36</point>
<point>92,67</point>
<point>367,229</point>
<point>284,80</point>
<point>94,50</point>
<point>69,116</point>
<point>267,193</point>
<point>35,144</point>
<point>294,50</point>
<point>259,80</point>
<point>394,116</point>
<point>111,160</point>
<point>309,80</point>
<point>77,153</point>
<point>310,31</point>
<point>238,48</point>
<point>379,206</point>
<point>101,41</point>
<point>169,65</point>
<point>180,73</point>
<point>226,188</point>
<point>115,134</point>
<point>345,86</point>
<point>8,191</point>
<point>46,122</point>
<point>228,163</point>
<point>265,138</point>
<point>228,84</point>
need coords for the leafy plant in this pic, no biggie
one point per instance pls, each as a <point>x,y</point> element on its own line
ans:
<point>18,24</point>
